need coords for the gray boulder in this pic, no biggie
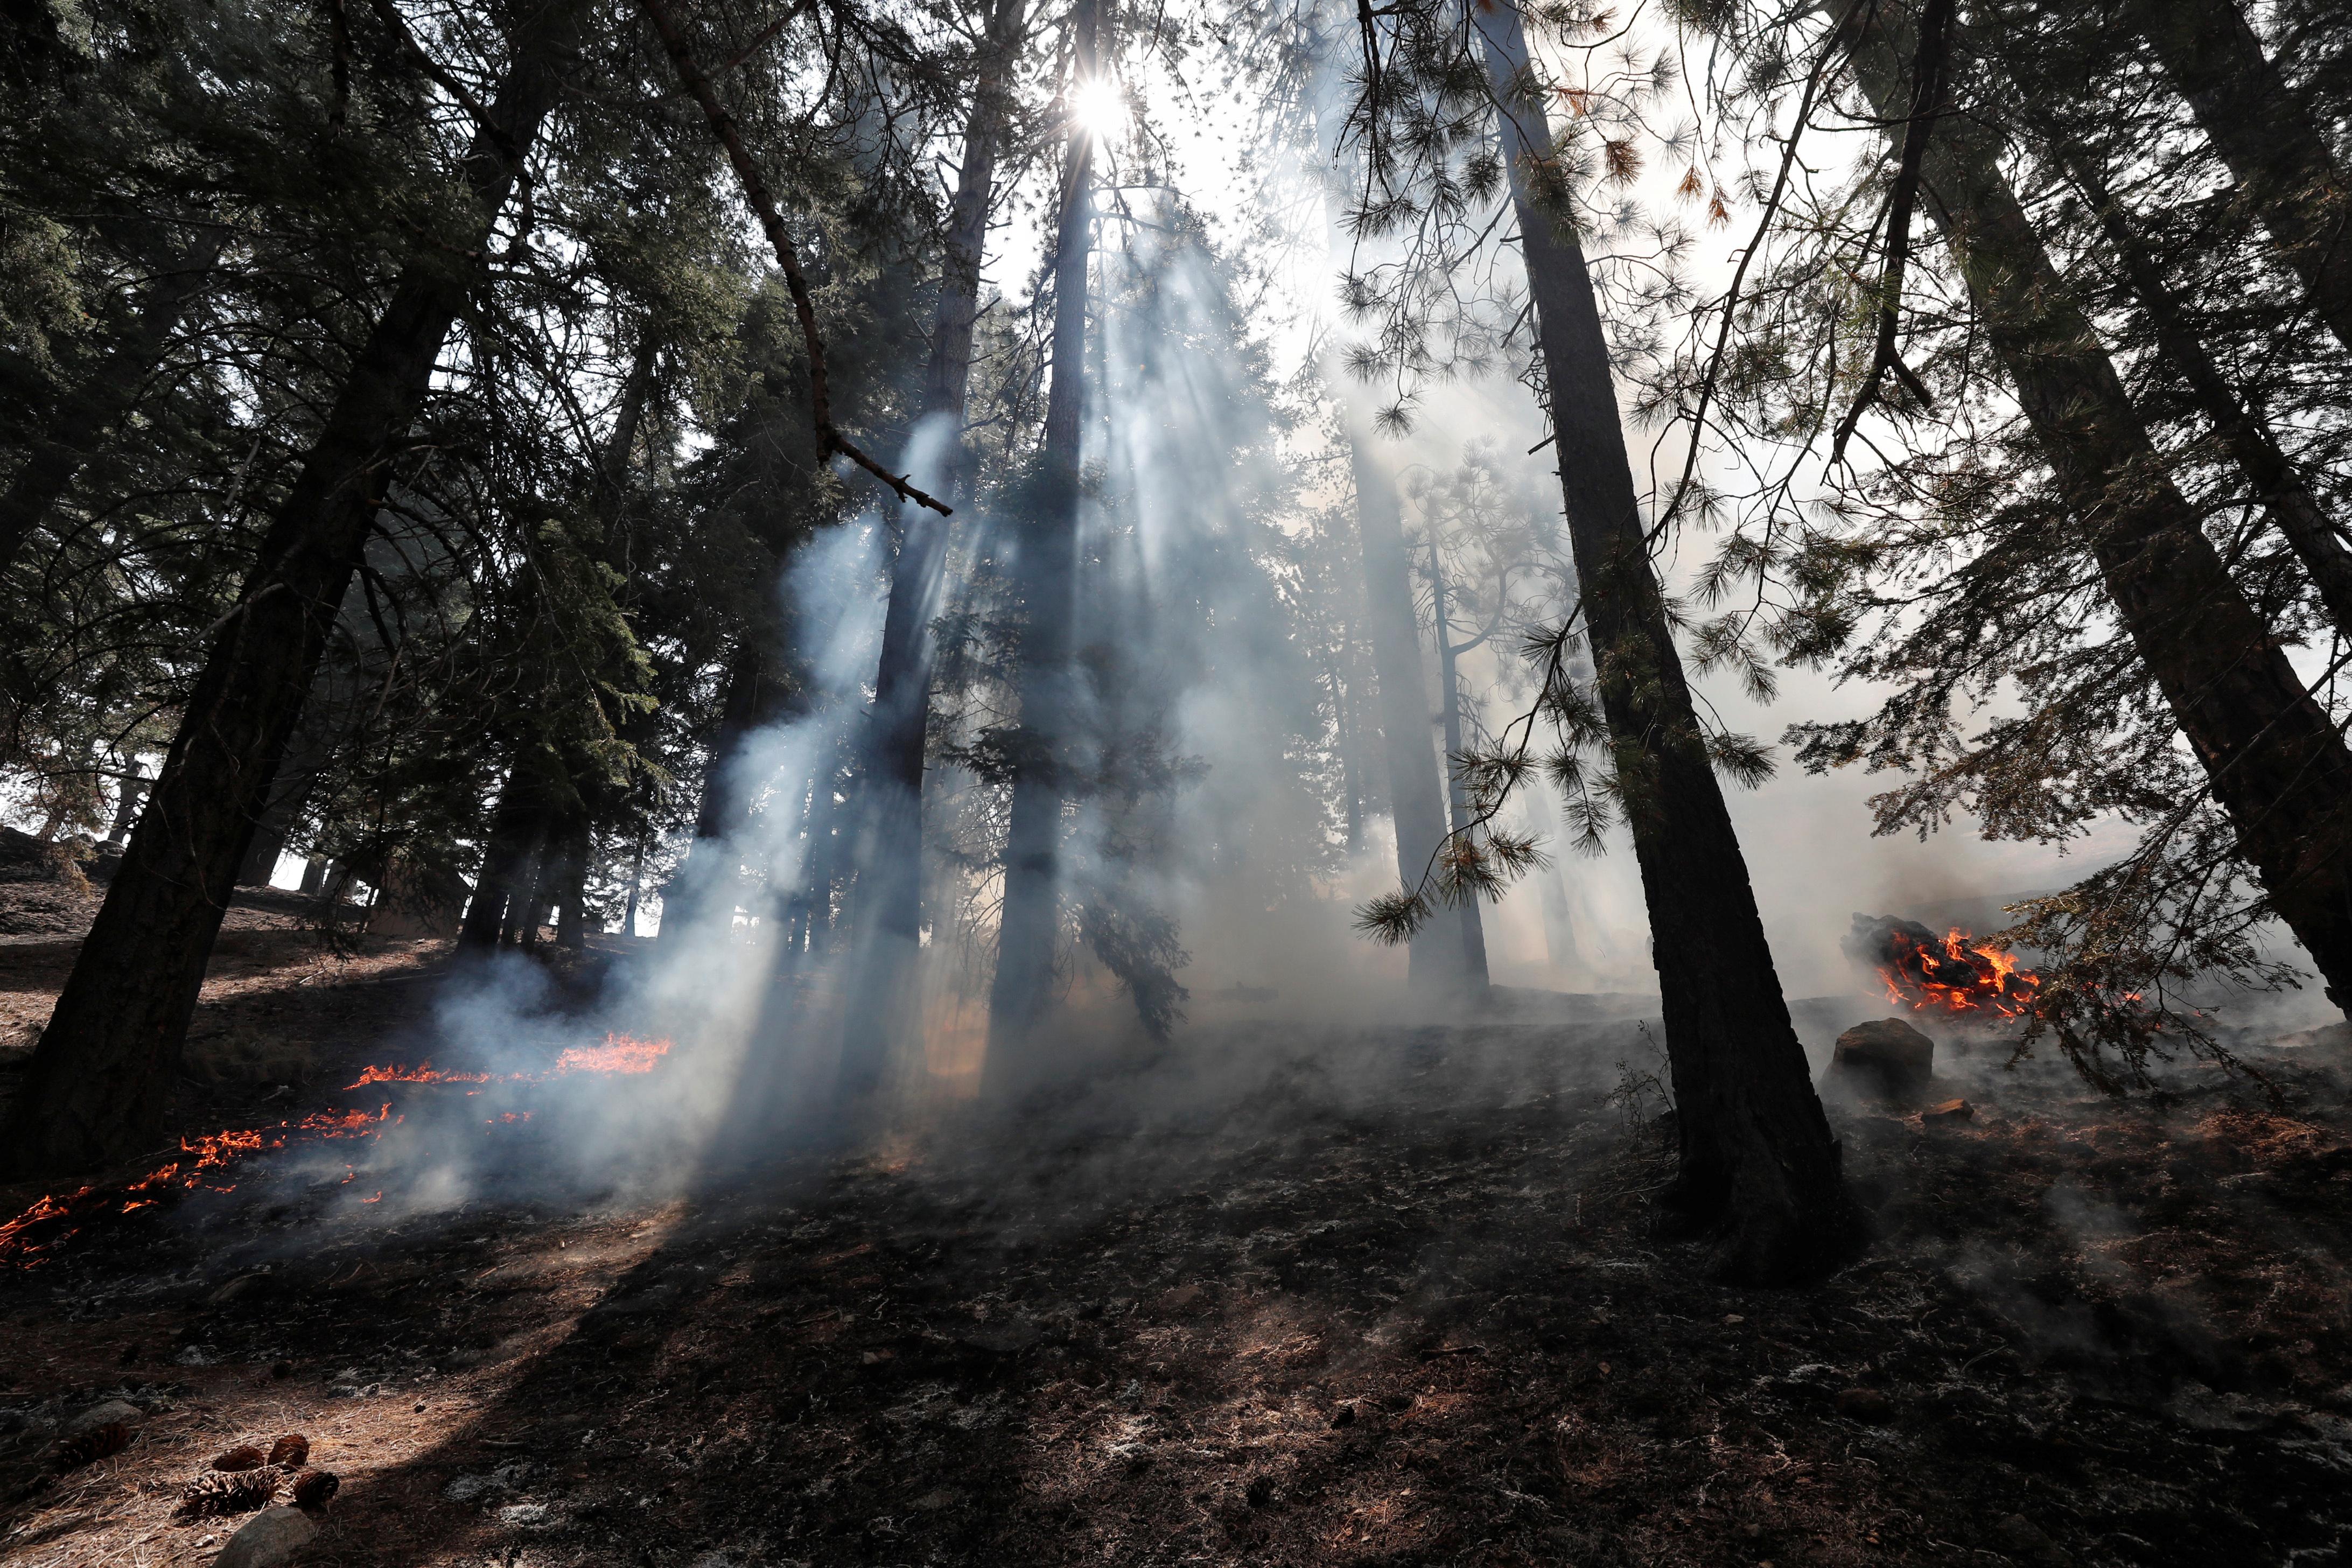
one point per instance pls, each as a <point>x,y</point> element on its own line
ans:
<point>269,1538</point>
<point>1886,1056</point>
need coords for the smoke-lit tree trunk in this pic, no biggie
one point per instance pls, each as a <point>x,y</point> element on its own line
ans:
<point>2267,135</point>
<point>2279,769</point>
<point>1756,1150</point>
<point>1343,736</point>
<point>101,1076</point>
<point>886,996</point>
<point>522,927</point>
<point>708,873</point>
<point>1031,920</point>
<point>1416,798</point>
<point>2292,509</point>
<point>1416,801</point>
<point>1458,797</point>
<point>88,416</point>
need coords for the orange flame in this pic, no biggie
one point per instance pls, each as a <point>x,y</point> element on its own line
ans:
<point>205,1157</point>
<point>1957,976</point>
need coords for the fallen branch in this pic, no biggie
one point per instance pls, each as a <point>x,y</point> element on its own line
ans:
<point>829,440</point>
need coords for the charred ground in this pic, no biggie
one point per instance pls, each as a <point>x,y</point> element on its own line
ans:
<point>1397,1306</point>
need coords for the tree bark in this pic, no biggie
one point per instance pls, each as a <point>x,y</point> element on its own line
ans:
<point>1031,920</point>
<point>1756,1151</point>
<point>504,858</point>
<point>2292,509</point>
<point>2265,133</point>
<point>885,996</point>
<point>1416,809</point>
<point>2278,767</point>
<point>711,868</point>
<point>1457,798</point>
<point>88,416</point>
<point>573,849</point>
<point>101,1077</point>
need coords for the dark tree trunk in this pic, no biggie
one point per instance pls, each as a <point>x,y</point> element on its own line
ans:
<point>503,864</point>
<point>1031,920</point>
<point>1756,1150</point>
<point>126,805</point>
<point>2266,134</point>
<point>2278,767</point>
<point>1457,798</point>
<point>885,992</point>
<point>101,1077</point>
<point>2286,499</point>
<point>572,852</point>
<point>86,417</point>
<point>521,928</point>
<point>1343,737</point>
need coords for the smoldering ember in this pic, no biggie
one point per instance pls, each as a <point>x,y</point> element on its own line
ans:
<point>844,783</point>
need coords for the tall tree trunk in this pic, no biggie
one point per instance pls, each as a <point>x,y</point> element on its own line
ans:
<point>2265,133</point>
<point>1416,808</point>
<point>1416,800</point>
<point>636,885</point>
<point>2278,767</point>
<point>885,998</point>
<point>521,926</point>
<point>1343,736</point>
<point>1457,798</point>
<point>1048,564</point>
<point>1756,1150</point>
<point>101,1077</point>
<point>87,417</point>
<point>2292,509</point>
<point>572,852</point>
<point>126,805</point>
<point>710,871</point>
<point>504,856</point>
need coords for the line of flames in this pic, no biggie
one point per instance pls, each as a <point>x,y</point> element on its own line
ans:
<point>206,1155</point>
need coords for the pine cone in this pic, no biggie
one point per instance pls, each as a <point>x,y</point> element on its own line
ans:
<point>291,1451</point>
<point>229,1491</point>
<point>244,1456</point>
<point>87,1447</point>
<point>312,1488</point>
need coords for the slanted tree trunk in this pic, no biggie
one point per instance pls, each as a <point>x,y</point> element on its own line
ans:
<point>2279,769</point>
<point>2265,133</point>
<point>1457,798</point>
<point>1756,1150</point>
<point>86,417</point>
<point>885,996</point>
<point>1031,920</point>
<point>101,1077</point>
<point>2292,509</point>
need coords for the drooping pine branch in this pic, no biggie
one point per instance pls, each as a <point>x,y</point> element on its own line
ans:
<point>829,437</point>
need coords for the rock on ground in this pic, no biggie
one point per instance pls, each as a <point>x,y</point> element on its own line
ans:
<point>269,1538</point>
<point>1886,1056</point>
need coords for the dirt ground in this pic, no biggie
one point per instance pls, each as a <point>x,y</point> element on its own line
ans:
<point>1421,1323</point>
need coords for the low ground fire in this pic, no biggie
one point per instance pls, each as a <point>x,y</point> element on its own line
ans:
<point>206,1159</point>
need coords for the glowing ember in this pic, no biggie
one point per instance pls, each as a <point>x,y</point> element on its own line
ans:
<point>28,1239</point>
<point>1952,973</point>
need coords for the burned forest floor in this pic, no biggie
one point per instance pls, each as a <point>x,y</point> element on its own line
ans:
<point>1392,1300</point>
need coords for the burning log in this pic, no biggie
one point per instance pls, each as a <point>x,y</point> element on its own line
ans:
<point>1953,974</point>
